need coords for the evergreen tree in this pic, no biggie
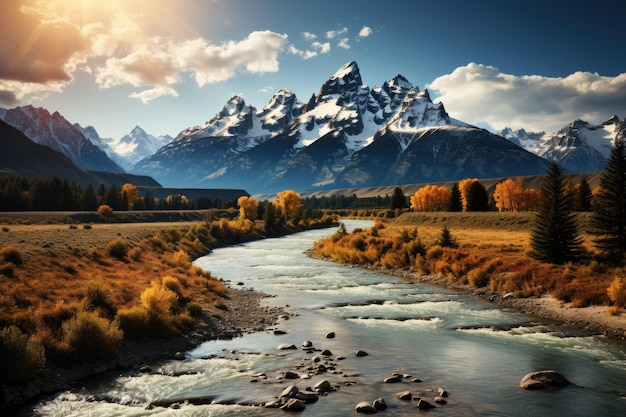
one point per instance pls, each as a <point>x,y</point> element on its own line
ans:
<point>554,235</point>
<point>269,217</point>
<point>446,240</point>
<point>584,196</point>
<point>398,199</point>
<point>455,203</point>
<point>477,197</point>
<point>608,221</point>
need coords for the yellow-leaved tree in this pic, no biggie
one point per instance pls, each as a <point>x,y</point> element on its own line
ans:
<point>132,194</point>
<point>248,208</point>
<point>290,203</point>
<point>430,198</point>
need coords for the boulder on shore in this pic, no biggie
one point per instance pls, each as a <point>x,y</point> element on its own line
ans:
<point>543,379</point>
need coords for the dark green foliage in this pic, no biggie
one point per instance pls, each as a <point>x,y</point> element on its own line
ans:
<point>554,235</point>
<point>269,217</point>
<point>584,196</point>
<point>398,199</point>
<point>446,240</point>
<point>455,203</point>
<point>477,197</point>
<point>608,221</point>
<point>20,355</point>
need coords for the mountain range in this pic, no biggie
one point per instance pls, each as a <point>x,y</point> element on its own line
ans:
<point>20,156</point>
<point>578,147</point>
<point>348,135</point>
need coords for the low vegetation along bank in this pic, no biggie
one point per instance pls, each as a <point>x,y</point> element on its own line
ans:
<point>76,294</point>
<point>486,252</point>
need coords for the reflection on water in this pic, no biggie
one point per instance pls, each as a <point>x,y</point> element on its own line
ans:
<point>447,339</point>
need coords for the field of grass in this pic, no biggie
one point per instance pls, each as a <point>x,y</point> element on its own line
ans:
<point>72,293</point>
<point>491,253</point>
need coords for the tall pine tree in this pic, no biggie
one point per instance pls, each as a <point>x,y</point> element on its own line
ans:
<point>608,220</point>
<point>455,203</point>
<point>554,236</point>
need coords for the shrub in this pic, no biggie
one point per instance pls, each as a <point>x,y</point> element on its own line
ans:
<point>478,277</point>
<point>7,269</point>
<point>20,355</point>
<point>181,258</point>
<point>174,285</point>
<point>134,322</point>
<point>105,209</point>
<point>87,226</point>
<point>12,254</point>
<point>617,292</point>
<point>434,252</point>
<point>157,300</point>
<point>194,309</point>
<point>98,296</point>
<point>135,253</point>
<point>89,336</point>
<point>117,249</point>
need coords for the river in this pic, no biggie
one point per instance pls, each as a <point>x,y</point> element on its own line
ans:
<point>475,351</point>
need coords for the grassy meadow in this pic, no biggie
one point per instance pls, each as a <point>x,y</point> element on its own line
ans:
<point>73,293</point>
<point>488,251</point>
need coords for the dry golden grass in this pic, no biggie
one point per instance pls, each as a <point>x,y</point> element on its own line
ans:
<point>491,253</point>
<point>51,273</point>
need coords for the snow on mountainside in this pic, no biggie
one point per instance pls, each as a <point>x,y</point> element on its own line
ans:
<point>129,149</point>
<point>579,147</point>
<point>54,131</point>
<point>291,144</point>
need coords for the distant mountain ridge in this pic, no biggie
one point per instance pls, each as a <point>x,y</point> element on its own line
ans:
<point>346,135</point>
<point>54,131</point>
<point>21,157</point>
<point>579,147</point>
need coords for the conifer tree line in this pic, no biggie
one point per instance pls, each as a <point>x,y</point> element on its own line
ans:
<point>555,235</point>
<point>23,194</point>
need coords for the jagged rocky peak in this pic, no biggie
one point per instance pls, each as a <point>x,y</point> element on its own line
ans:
<point>280,110</point>
<point>612,121</point>
<point>234,106</point>
<point>346,79</point>
<point>418,111</point>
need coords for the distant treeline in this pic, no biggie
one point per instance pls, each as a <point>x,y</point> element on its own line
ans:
<point>23,194</point>
<point>337,202</point>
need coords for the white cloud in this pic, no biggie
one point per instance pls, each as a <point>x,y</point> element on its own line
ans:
<point>109,43</point>
<point>365,32</point>
<point>323,48</point>
<point>343,43</point>
<point>334,33</point>
<point>150,94</point>
<point>302,53</point>
<point>308,36</point>
<point>478,93</point>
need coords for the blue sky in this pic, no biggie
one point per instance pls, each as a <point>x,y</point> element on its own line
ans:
<point>169,64</point>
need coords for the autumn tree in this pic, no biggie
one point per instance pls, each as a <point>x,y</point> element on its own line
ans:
<point>473,195</point>
<point>290,203</point>
<point>508,195</point>
<point>248,207</point>
<point>608,221</point>
<point>430,198</point>
<point>132,194</point>
<point>554,235</point>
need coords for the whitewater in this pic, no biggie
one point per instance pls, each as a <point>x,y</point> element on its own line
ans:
<point>446,339</point>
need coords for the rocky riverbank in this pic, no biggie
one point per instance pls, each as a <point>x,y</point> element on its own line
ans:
<point>242,313</point>
<point>595,319</point>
